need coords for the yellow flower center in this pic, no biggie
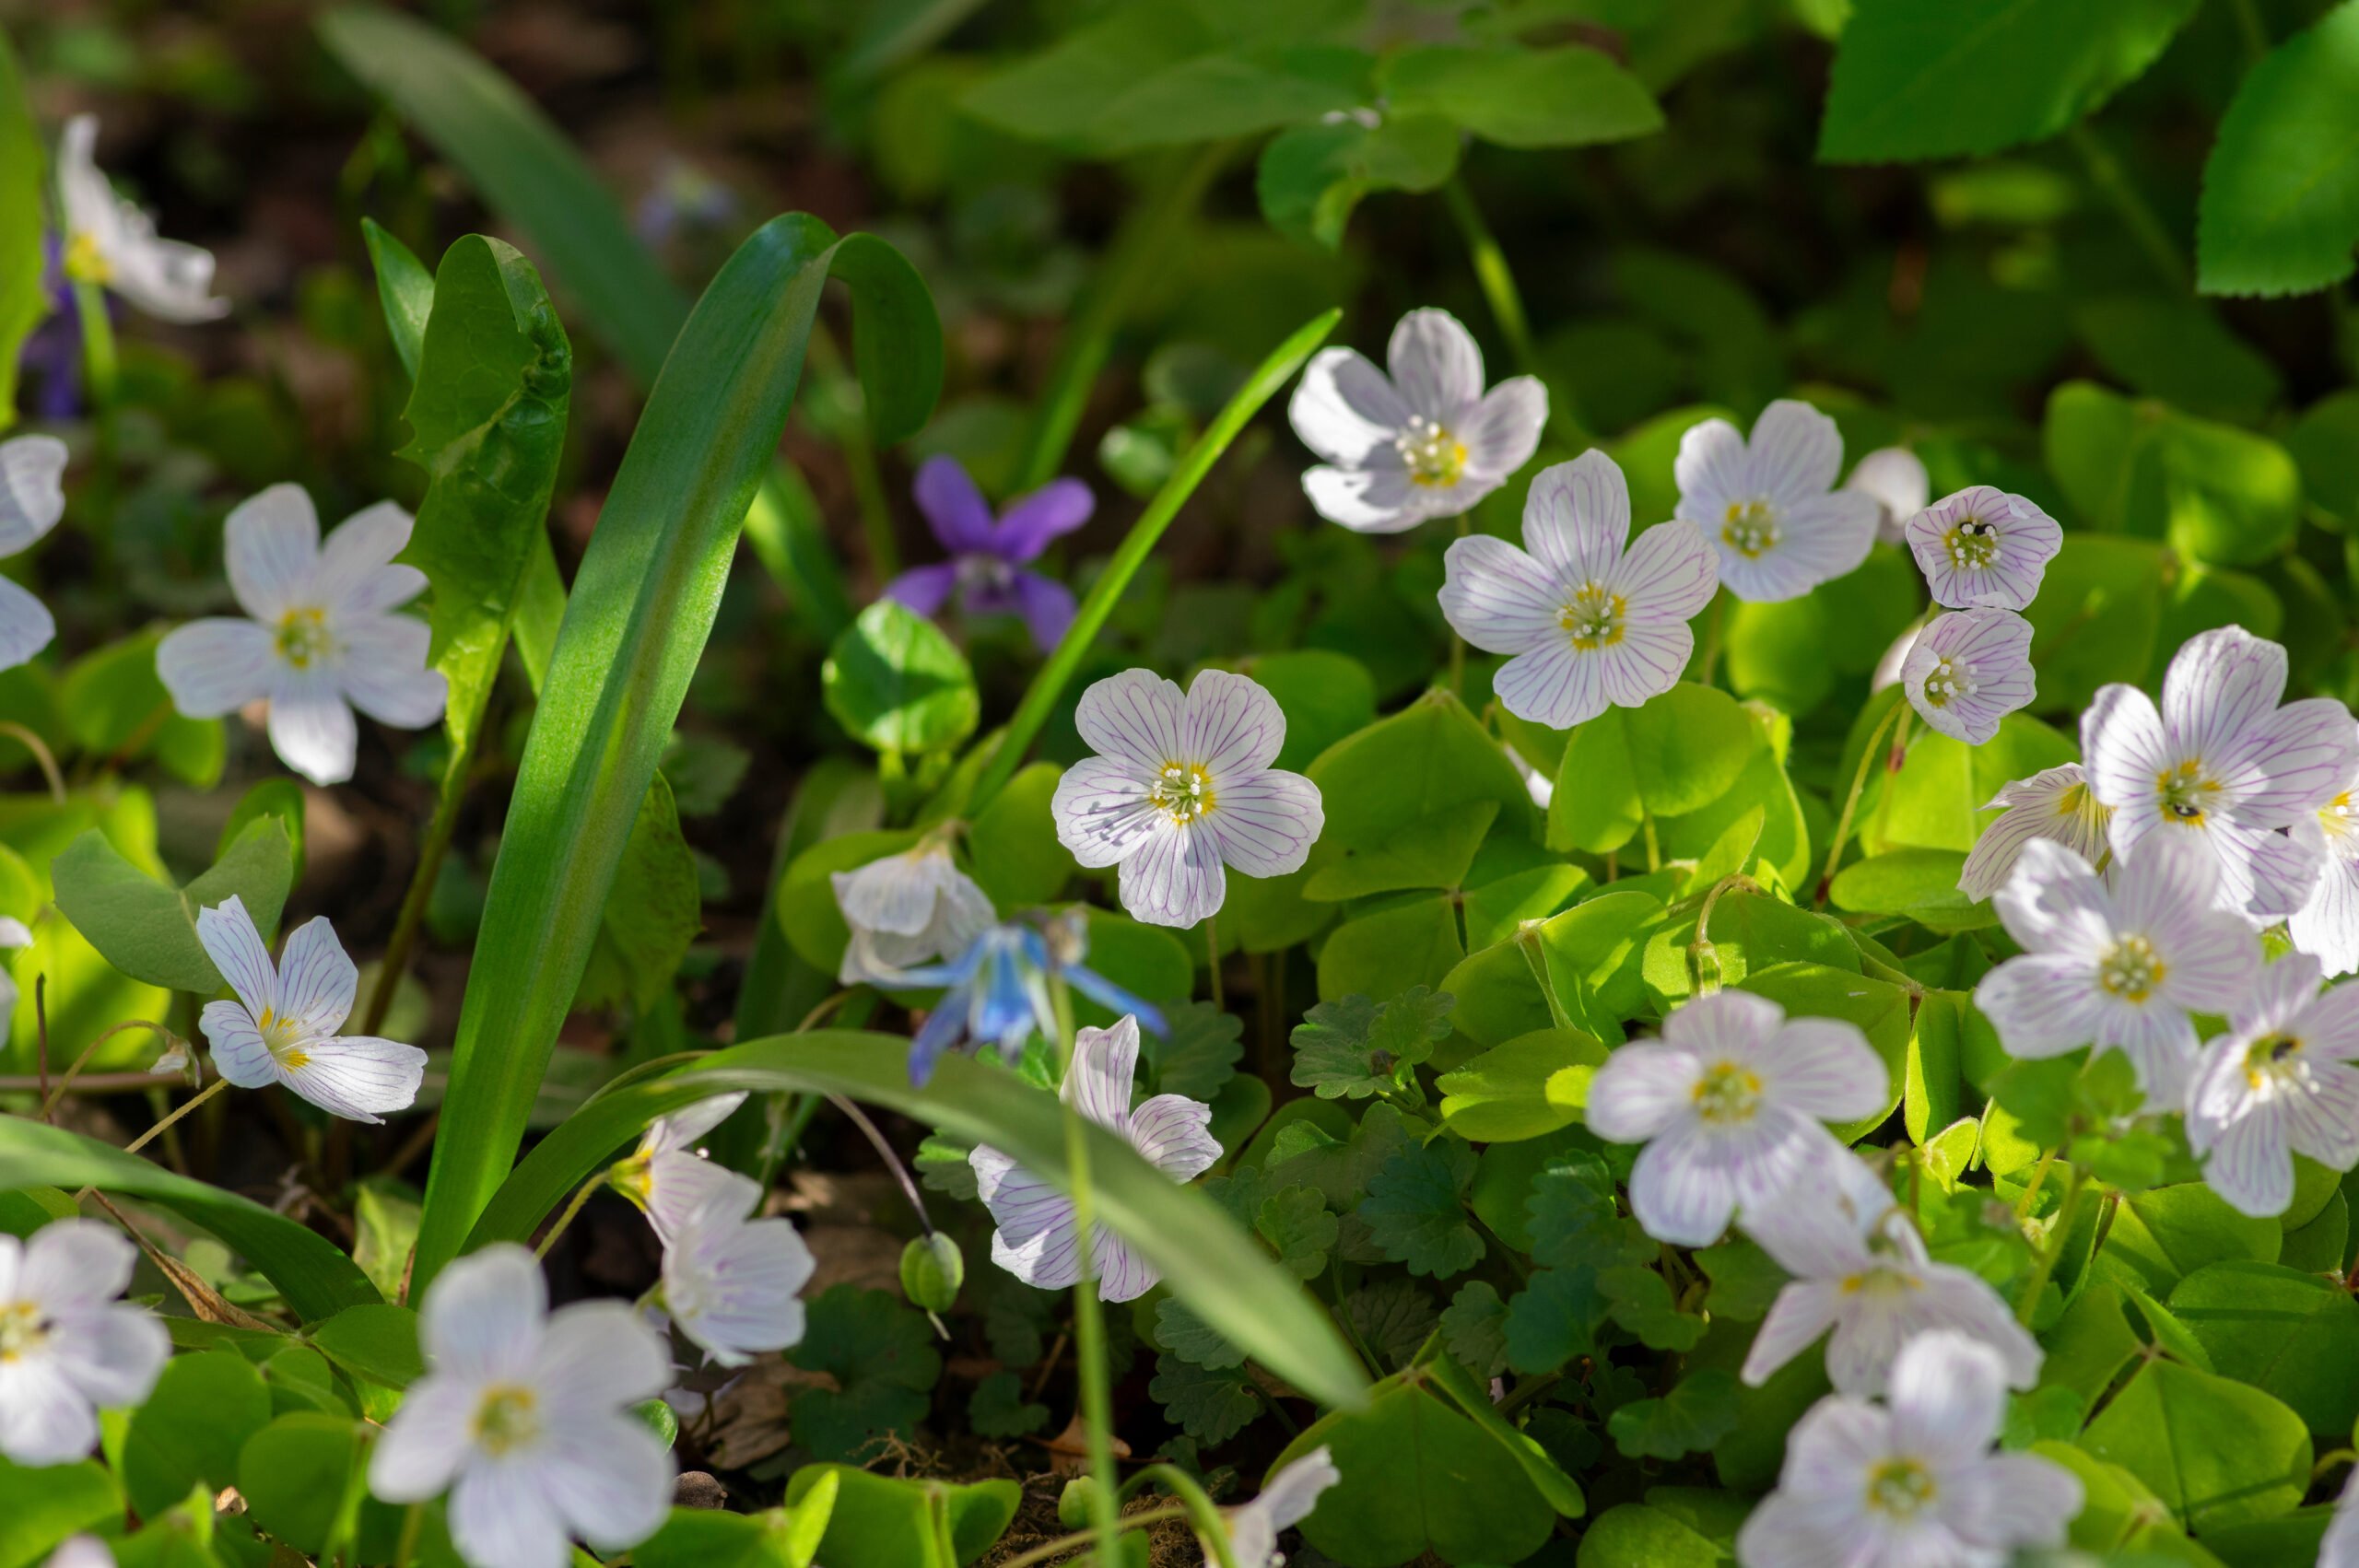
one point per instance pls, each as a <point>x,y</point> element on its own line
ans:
<point>1595,617</point>
<point>2185,794</point>
<point>2131,970</point>
<point>22,1330</point>
<point>2339,818</point>
<point>1751,529</point>
<point>303,637</point>
<point>1881,1282</point>
<point>1728,1094</point>
<point>1182,791</point>
<point>85,262</point>
<point>1948,679</point>
<point>1972,542</point>
<point>2272,1057</point>
<point>507,1416</point>
<point>1901,1488</point>
<point>635,1178</point>
<point>285,1038</point>
<point>1435,456</point>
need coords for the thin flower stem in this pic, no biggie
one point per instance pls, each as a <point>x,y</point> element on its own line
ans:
<point>884,1152</point>
<point>1709,657</point>
<point>41,754</point>
<point>2038,1179</point>
<point>49,1103</point>
<point>2058,1235</point>
<point>1201,1511</point>
<point>581,1196</point>
<point>412,918</point>
<point>1497,283</point>
<point>1212,957</point>
<point>413,1522</point>
<point>1088,1321</point>
<point>1048,1550</point>
<point>98,359</point>
<point>2107,175</point>
<point>1868,754</point>
<point>186,1106</point>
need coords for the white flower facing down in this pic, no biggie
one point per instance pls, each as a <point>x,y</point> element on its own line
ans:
<point>1983,548</point>
<point>1037,1240</point>
<point>1183,786</point>
<point>32,497</point>
<point>1286,1500</point>
<point>1590,623</point>
<point>524,1416</point>
<point>666,1176</point>
<point>1862,1269</point>
<point>2222,765</point>
<point>2328,925</point>
<point>1425,441</point>
<point>322,640</point>
<point>2117,968</point>
<point>1912,1483</point>
<point>1770,505</point>
<point>2053,804</point>
<point>905,909</point>
<point>110,242</point>
<point>281,1029</point>
<point>732,1284</point>
<point>2284,1079</point>
<point>1968,670</point>
<point>1894,478</point>
<point>67,1347</point>
<point>1729,1104</point>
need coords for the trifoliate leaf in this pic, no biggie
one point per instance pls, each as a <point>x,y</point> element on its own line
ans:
<point>1554,1318</point>
<point>1000,1409</point>
<point>1340,1171</point>
<point>1696,1414</point>
<point>1574,1224</point>
<point>1199,1054</point>
<point>1296,1223</point>
<point>1642,1302</point>
<point>1352,1048</point>
<point>1210,1406</point>
<point>1188,1337</point>
<point>1239,1192</point>
<point>1393,1317</point>
<point>1474,1327</point>
<point>1416,1212</point>
<point>881,1354</point>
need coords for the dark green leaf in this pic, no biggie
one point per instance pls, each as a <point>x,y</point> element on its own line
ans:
<point>1211,1406</point>
<point>2281,192</point>
<point>881,1354</point>
<point>147,929</point>
<point>1697,1413</point>
<point>1417,1211</point>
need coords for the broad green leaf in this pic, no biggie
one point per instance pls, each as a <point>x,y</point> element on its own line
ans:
<point>1973,77</point>
<point>880,1352</point>
<point>39,1508</point>
<point>147,929</point>
<point>1324,697</point>
<point>23,220</point>
<point>635,626</point>
<point>405,290</point>
<point>2215,1451</point>
<point>1416,942</point>
<point>1687,747</point>
<point>1205,1258</point>
<point>653,911</point>
<point>1013,842</point>
<point>2159,1237</point>
<point>292,1474</point>
<point>526,171</point>
<point>1310,177</point>
<point>115,706</point>
<point>1428,757</point>
<point>776,1538</point>
<point>1632,1535</point>
<point>311,1271</point>
<point>487,421</point>
<point>192,1429</point>
<point>896,683</point>
<point>1566,97</point>
<point>2291,1335</point>
<point>1701,1410</point>
<point>2280,212</point>
<point>2180,351</point>
<point>281,798</point>
<point>376,1341</point>
<point>1919,883</point>
<point>1433,851</point>
<point>1525,1087</point>
<point>1595,807</point>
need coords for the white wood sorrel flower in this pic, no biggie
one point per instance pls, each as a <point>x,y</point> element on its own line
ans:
<point>281,1029</point>
<point>1037,1240</point>
<point>1984,549</point>
<point>1770,506</point>
<point>1286,1500</point>
<point>735,1284</point>
<point>2053,804</point>
<point>2284,1079</point>
<point>666,1176</point>
<point>1426,442</point>
<point>2328,925</point>
<point>2117,968</point>
<point>914,908</point>
<point>67,1347</point>
<point>1968,670</point>
<point>112,242</point>
<point>1861,1269</point>
<point>524,1416</point>
<point>323,638</point>
<point>32,497</point>
<point>1729,1105</point>
<point>1895,478</point>
<point>2221,765</point>
<point>1912,1483</point>
<point>1181,787</point>
<point>1590,623</point>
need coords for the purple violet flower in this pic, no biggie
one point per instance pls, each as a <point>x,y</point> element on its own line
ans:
<point>53,354</point>
<point>988,557</point>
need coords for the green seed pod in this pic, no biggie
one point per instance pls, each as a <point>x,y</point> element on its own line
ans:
<point>931,1272</point>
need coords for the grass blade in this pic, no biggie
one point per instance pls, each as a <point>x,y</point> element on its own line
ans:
<point>1205,1260</point>
<point>311,1271</point>
<point>635,627</point>
<point>23,218</point>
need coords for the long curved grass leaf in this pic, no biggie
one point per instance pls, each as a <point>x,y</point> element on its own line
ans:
<point>22,221</point>
<point>528,173</point>
<point>635,626</point>
<point>1205,1258</point>
<point>311,1271</point>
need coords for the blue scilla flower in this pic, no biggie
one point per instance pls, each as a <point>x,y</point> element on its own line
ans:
<point>998,990</point>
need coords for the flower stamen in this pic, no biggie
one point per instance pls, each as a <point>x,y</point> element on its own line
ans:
<point>1900,1488</point>
<point>2131,969</point>
<point>23,1330</point>
<point>1595,617</point>
<point>1182,791</point>
<point>1435,456</point>
<point>1950,679</point>
<point>2185,794</point>
<point>1728,1094</point>
<point>302,637</point>
<point>505,1418</point>
<point>1751,529</point>
<point>1973,544</point>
